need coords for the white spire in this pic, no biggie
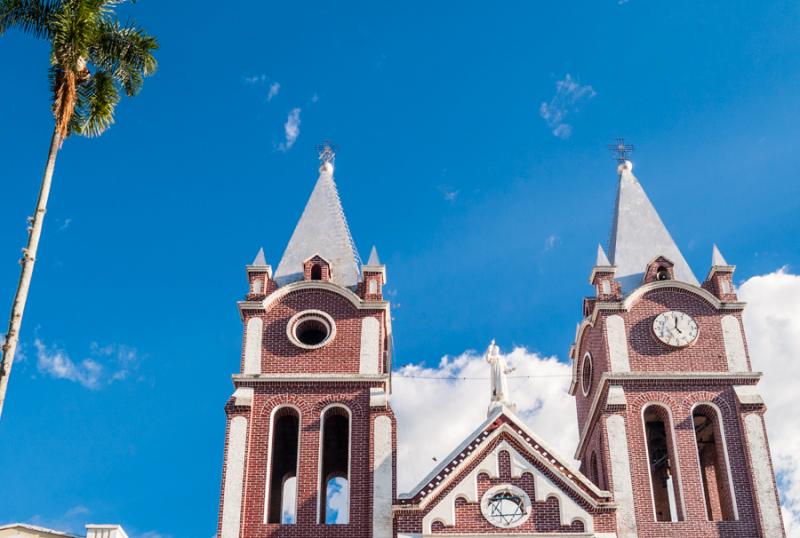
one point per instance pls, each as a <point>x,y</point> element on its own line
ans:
<point>373,257</point>
<point>602,259</point>
<point>716,258</point>
<point>260,258</point>
<point>323,230</point>
<point>638,235</point>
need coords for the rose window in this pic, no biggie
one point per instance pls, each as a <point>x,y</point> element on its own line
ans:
<point>506,506</point>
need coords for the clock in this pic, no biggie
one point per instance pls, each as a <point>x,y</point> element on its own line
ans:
<point>675,329</point>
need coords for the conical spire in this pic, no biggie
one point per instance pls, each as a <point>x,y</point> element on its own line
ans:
<point>323,230</point>
<point>260,258</point>
<point>716,258</point>
<point>602,259</point>
<point>638,235</point>
<point>373,257</point>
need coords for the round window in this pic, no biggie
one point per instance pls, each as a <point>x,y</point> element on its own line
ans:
<point>586,374</point>
<point>311,329</point>
<point>506,506</point>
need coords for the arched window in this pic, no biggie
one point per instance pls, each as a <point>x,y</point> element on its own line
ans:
<point>334,498</point>
<point>662,463</point>
<point>316,272</point>
<point>713,464</point>
<point>283,465</point>
<point>373,287</point>
<point>587,374</point>
<point>662,274</point>
<point>594,470</point>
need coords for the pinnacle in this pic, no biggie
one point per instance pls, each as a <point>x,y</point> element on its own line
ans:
<point>373,257</point>
<point>260,259</point>
<point>717,260</point>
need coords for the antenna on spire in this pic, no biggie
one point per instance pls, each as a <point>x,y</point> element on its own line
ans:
<point>621,150</point>
<point>326,152</point>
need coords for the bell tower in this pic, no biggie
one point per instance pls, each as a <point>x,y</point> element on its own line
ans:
<point>669,414</point>
<point>310,440</point>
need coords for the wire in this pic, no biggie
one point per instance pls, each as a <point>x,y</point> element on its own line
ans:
<point>451,378</point>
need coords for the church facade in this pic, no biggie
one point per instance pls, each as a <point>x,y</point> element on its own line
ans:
<point>671,433</point>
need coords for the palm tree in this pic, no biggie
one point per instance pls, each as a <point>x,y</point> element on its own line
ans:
<point>93,59</point>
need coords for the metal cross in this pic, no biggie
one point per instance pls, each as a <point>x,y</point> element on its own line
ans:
<point>327,152</point>
<point>621,149</point>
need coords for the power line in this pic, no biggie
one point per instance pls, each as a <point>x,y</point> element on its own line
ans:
<point>454,378</point>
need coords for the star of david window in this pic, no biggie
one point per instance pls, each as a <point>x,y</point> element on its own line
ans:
<point>506,506</point>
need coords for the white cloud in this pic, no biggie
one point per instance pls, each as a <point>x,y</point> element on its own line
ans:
<point>104,365</point>
<point>550,242</point>
<point>772,322</point>
<point>291,129</point>
<point>64,224</point>
<point>435,415</point>
<point>255,79</point>
<point>570,95</point>
<point>274,88</point>
<point>450,195</point>
<point>338,499</point>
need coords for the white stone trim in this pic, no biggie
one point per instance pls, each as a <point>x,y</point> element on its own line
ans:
<point>697,290</point>
<point>763,476</point>
<point>721,422</point>
<point>734,344</point>
<point>322,487</point>
<point>234,478</point>
<point>300,378</point>
<point>748,395</point>
<point>548,458</point>
<point>315,315</point>
<point>382,494</point>
<point>526,501</point>
<point>369,360</point>
<point>467,488</point>
<point>270,455</point>
<point>252,345</point>
<point>584,389</point>
<point>621,476</point>
<point>285,290</point>
<point>378,397</point>
<point>243,396</point>
<point>662,376</point>
<point>616,395</point>
<point>617,341</point>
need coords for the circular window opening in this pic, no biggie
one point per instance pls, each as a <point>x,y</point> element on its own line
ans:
<point>311,329</point>
<point>506,506</point>
<point>586,374</point>
<point>311,332</point>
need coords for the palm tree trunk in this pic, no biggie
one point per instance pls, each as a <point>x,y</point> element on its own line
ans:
<point>28,260</point>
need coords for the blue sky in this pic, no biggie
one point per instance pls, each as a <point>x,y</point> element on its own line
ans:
<point>485,206</point>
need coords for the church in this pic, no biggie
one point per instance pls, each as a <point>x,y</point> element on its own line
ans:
<point>671,432</point>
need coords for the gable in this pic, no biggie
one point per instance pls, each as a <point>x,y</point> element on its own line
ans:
<point>506,459</point>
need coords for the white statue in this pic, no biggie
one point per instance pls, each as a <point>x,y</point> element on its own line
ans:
<point>500,394</point>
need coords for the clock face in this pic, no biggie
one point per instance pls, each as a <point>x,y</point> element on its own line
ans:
<point>675,328</point>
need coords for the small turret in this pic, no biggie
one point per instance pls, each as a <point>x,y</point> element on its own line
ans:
<point>720,277</point>
<point>259,276</point>
<point>374,277</point>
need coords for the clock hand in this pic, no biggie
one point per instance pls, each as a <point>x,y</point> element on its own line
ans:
<point>675,324</point>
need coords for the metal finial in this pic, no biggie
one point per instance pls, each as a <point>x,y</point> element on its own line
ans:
<point>621,150</point>
<point>327,152</point>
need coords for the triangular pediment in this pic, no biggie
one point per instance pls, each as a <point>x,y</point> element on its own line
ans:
<point>505,453</point>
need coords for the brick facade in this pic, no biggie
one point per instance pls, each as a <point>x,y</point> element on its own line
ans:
<point>671,438</point>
